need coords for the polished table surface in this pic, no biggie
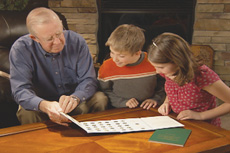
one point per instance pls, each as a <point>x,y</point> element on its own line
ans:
<point>52,138</point>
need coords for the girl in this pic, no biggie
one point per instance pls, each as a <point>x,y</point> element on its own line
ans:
<point>191,87</point>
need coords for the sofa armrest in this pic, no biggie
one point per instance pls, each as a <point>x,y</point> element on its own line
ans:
<point>8,107</point>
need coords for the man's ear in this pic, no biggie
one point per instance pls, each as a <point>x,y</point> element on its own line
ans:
<point>33,37</point>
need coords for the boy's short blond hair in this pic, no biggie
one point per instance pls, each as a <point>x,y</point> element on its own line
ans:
<point>127,37</point>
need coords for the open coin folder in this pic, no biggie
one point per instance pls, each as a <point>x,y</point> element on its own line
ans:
<point>126,125</point>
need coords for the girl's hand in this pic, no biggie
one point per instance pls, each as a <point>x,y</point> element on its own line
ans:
<point>164,109</point>
<point>189,114</point>
<point>132,103</point>
<point>148,103</point>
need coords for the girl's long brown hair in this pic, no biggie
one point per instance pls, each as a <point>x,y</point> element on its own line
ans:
<point>171,48</point>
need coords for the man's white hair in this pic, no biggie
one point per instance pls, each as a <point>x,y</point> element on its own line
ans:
<point>39,16</point>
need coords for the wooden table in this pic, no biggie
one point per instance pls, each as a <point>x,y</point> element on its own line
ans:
<point>53,138</point>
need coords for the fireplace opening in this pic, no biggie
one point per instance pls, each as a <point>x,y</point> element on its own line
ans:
<point>154,16</point>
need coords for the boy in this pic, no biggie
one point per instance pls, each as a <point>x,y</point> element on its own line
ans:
<point>128,78</point>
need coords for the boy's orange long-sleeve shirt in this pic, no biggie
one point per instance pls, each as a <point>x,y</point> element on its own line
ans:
<point>138,80</point>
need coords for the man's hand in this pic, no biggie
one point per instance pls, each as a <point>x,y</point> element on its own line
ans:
<point>148,103</point>
<point>164,109</point>
<point>68,103</point>
<point>132,103</point>
<point>189,114</point>
<point>52,109</point>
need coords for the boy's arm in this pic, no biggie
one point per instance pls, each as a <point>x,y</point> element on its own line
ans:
<point>160,94</point>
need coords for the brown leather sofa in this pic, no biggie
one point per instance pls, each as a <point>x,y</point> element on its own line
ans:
<point>12,26</point>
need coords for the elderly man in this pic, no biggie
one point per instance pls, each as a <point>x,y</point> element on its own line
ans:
<point>52,71</point>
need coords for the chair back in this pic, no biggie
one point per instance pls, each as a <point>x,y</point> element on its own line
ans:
<point>204,53</point>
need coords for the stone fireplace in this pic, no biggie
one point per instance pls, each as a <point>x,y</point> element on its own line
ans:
<point>211,26</point>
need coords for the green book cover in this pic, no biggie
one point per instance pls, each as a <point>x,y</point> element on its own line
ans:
<point>172,136</point>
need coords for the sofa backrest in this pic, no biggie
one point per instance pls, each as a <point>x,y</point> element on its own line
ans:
<point>12,26</point>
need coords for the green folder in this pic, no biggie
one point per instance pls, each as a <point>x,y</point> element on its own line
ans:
<point>171,136</point>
